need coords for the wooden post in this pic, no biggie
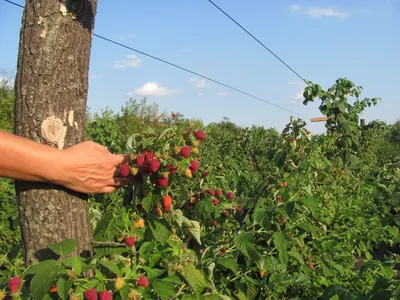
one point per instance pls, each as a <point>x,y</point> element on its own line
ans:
<point>320,119</point>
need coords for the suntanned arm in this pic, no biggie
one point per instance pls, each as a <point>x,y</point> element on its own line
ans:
<point>86,167</point>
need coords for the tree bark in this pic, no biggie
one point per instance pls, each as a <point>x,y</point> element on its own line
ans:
<point>50,106</point>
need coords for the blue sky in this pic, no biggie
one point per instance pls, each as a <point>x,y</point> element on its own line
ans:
<point>321,40</point>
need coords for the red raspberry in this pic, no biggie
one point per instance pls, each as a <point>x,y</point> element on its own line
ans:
<point>185,151</point>
<point>218,193</point>
<point>212,193</point>
<point>149,156</point>
<point>229,195</point>
<point>130,241</point>
<point>153,165</point>
<point>14,284</point>
<point>106,295</point>
<point>205,174</point>
<point>214,223</point>
<point>90,294</point>
<point>143,281</point>
<point>215,201</point>
<point>124,170</point>
<point>140,160</point>
<point>162,182</point>
<point>225,214</point>
<point>239,209</point>
<point>200,135</point>
<point>194,166</point>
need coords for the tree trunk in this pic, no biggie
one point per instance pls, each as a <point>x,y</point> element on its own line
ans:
<point>50,106</point>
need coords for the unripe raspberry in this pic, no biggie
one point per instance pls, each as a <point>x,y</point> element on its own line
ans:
<point>119,283</point>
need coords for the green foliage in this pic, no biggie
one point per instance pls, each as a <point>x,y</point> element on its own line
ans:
<point>311,217</point>
<point>6,106</point>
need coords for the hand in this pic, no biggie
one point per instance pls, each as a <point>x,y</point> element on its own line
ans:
<point>90,168</point>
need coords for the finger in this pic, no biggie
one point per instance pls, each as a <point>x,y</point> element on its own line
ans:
<point>120,181</point>
<point>118,159</point>
<point>107,190</point>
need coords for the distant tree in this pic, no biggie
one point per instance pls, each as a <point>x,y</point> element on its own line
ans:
<point>395,134</point>
<point>6,105</point>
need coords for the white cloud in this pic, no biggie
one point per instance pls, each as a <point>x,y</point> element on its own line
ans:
<point>5,81</point>
<point>153,89</point>
<point>294,7</point>
<point>299,96</point>
<point>199,83</point>
<point>132,61</point>
<point>296,83</point>
<point>222,94</point>
<point>201,94</point>
<point>318,13</point>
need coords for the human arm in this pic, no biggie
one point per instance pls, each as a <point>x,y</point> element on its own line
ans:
<point>86,167</point>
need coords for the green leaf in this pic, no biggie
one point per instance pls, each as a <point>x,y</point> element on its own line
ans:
<point>203,210</point>
<point>64,248</point>
<point>149,201</point>
<point>111,266</point>
<point>195,278</point>
<point>177,216</point>
<point>63,286</point>
<point>302,278</point>
<point>193,228</point>
<point>43,266</point>
<point>296,255</point>
<point>244,243</point>
<point>263,217</point>
<point>229,263</point>
<point>252,291</point>
<point>164,289</point>
<point>331,291</point>
<point>42,281</point>
<point>312,205</point>
<point>160,230</point>
<point>282,244</point>
<point>341,107</point>
<point>153,273</point>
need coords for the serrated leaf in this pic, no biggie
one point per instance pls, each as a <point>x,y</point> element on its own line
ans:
<point>149,201</point>
<point>263,217</point>
<point>195,278</point>
<point>229,263</point>
<point>64,248</point>
<point>43,266</point>
<point>312,205</point>
<point>42,282</point>
<point>63,286</point>
<point>111,266</point>
<point>302,278</point>
<point>282,244</point>
<point>153,273</point>
<point>244,243</point>
<point>252,291</point>
<point>203,210</point>
<point>331,291</point>
<point>296,255</point>
<point>108,227</point>
<point>178,217</point>
<point>164,289</point>
<point>193,228</point>
<point>160,230</point>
